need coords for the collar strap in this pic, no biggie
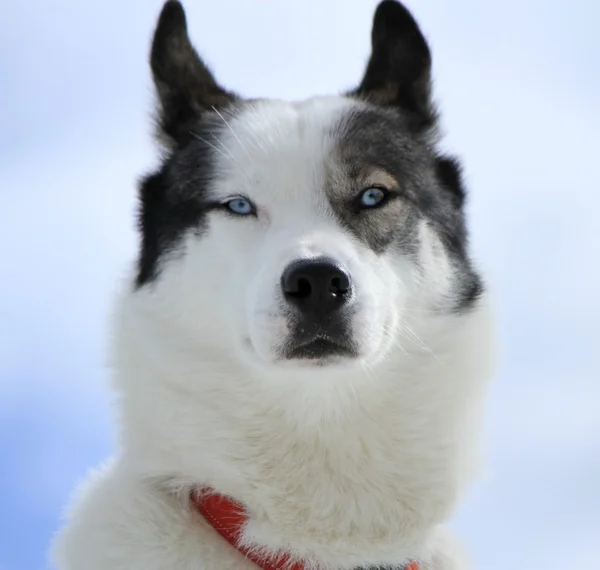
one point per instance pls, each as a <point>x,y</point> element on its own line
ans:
<point>228,518</point>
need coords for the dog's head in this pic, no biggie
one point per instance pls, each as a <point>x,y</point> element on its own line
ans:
<point>307,235</point>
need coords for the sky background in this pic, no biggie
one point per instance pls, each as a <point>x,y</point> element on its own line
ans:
<point>519,87</point>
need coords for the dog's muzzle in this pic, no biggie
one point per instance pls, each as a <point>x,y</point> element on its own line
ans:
<point>319,294</point>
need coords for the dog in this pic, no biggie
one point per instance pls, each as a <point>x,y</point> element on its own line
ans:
<point>302,348</point>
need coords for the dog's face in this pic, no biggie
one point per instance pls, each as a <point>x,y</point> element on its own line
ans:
<point>302,235</point>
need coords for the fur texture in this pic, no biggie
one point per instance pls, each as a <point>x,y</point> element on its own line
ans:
<point>344,417</point>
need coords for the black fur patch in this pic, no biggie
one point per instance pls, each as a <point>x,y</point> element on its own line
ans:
<point>174,200</point>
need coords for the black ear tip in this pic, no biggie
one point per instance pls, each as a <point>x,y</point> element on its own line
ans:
<point>171,27</point>
<point>173,10</point>
<point>171,19</point>
<point>391,10</point>
<point>392,18</point>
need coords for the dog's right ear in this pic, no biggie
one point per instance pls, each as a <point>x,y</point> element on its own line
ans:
<point>185,86</point>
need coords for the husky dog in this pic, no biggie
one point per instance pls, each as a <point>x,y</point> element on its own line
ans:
<point>304,336</point>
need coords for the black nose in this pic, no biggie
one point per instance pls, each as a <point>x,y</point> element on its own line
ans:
<point>317,286</point>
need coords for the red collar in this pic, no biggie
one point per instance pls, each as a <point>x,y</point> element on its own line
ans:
<point>228,518</point>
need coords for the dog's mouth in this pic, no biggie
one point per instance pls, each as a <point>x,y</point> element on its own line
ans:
<point>320,348</point>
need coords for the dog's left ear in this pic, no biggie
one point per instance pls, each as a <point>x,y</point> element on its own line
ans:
<point>186,88</point>
<point>399,69</point>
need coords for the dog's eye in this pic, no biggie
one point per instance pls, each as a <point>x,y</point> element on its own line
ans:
<point>239,206</point>
<point>373,197</point>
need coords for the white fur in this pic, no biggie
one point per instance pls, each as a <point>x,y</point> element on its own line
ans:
<point>357,463</point>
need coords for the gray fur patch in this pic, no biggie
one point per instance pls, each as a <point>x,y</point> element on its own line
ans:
<point>376,147</point>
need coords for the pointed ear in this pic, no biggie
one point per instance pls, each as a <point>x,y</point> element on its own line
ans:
<point>185,86</point>
<point>399,69</point>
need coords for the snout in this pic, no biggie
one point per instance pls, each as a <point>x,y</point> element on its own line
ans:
<point>316,287</point>
<point>319,294</point>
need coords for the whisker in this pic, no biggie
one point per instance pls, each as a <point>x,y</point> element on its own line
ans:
<point>403,348</point>
<point>223,145</point>
<point>229,156</point>
<point>353,390</point>
<point>367,368</point>
<point>423,345</point>
<point>232,131</point>
<point>210,145</point>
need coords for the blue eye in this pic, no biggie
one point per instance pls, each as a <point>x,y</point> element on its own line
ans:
<point>240,206</point>
<point>372,197</point>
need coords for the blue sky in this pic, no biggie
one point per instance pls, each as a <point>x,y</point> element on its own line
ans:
<point>519,84</point>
